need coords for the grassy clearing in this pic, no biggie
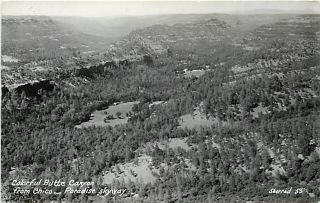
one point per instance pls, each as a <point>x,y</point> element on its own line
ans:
<point>99,118</point>
<point>140,171</point>
<point>174,143</point>
<point>193,73</point>
<point>196,120</point>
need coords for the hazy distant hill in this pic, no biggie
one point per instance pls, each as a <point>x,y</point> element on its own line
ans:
<point>196,35</point>
<point>117,27</point>
<point>275,11</point>
<point>40,37</point>
<point>187,36</point>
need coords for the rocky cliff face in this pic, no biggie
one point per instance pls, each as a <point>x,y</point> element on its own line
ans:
<point>31,89</point>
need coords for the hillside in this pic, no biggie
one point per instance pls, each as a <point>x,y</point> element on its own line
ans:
<point>117,27</point>
<point>40,38</point>
<point>217,109</point>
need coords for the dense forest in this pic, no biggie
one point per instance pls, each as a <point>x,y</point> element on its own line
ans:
<point>265,103</point>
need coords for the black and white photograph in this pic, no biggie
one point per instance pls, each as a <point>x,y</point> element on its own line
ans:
<point>160,101</point>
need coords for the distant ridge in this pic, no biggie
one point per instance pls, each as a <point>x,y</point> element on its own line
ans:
<point>276,11</point>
